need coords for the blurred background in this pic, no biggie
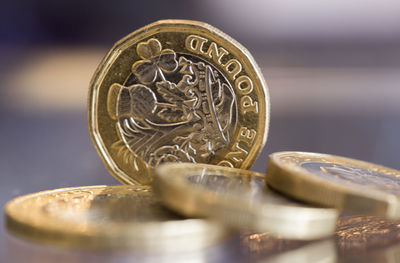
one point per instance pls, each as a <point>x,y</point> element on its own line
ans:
<point>333,70</point>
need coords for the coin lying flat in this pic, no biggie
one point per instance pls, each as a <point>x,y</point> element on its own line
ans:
<point>240,199</point>
<point>107,217</point>
<point>334,181</point>
<point>177,91</point>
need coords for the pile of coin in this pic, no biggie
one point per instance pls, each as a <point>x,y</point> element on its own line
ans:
<point>178,111</point>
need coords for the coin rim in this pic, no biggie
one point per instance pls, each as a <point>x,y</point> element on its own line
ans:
<point>112,54</point>
<point>171,185</point>
<point>300,184</point>
<point>147,236</point>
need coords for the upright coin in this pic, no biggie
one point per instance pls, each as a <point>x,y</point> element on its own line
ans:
<point>107,217</point>
<point>177,91</point>
<point>334,181</point>
<point>239,198</point>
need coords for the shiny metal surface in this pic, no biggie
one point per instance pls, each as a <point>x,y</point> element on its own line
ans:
<point>105,217</point>
<point>177,91</point>
<point>333,181</point>
<point>239,198</point>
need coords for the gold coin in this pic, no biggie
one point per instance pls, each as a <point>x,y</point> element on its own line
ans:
<point>339,182</point>
<point>107,217</point>
<point>240,199</point>
<point>177,91</point>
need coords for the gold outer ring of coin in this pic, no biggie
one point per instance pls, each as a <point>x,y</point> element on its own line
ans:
<point>277,215</point>
<point>135,125</point>
<point>73,209</point>
<point>286,175</point>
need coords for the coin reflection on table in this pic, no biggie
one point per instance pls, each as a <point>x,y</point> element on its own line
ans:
<point>315,252</point>
<point>108,217</point>
<point>361,233</point>
<point>357,239</point>
<point>262,245</point>
<point>21,250</point>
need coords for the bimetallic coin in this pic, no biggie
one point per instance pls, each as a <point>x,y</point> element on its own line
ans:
<point>334,181</point>
<point>177,91</point>
<point>240,199</point>
<point>107,217</point>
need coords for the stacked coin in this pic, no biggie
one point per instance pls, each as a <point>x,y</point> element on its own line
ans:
<point>181,109</point>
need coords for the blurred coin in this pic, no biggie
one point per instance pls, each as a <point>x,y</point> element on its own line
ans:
<point>323,251</point>
<point>107,217</point>
<point>334,181</point>
<point>177,91</point>
<point>239,198</point>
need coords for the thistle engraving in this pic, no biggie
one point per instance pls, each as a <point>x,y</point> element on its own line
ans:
<point>173,107</point>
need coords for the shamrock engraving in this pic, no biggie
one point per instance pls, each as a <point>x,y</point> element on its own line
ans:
<point>154,61</point>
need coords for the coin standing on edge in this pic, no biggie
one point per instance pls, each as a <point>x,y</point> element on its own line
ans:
<point>177,91</point>
<point>239,198</point>
<point>347,184</point>
<point>108,217</point>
